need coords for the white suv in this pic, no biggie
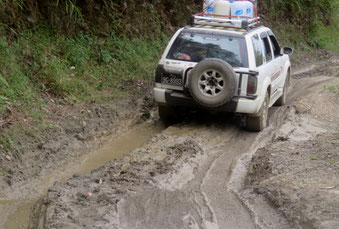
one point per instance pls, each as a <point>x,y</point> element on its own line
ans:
<point>213,66</point>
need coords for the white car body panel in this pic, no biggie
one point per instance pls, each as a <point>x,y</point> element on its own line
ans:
<point>271,75</point>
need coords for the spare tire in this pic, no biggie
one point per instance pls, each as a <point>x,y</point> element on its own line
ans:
<point>212,83</point>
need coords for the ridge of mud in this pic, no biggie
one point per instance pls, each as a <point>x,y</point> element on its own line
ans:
<point>264,215</point>
<point>322,68</point>
<point>83,201</point>
<point>300,179</point>
<point>75,131</point>
<point>298,172</point>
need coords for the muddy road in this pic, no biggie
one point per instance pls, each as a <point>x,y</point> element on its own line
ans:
<point>181,178</point>
<point>189,175</point>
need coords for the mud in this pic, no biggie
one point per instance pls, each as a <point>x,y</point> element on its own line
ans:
<point>298,173</point>
<point>75,132</point>
<point>300,177</point>
<point>194,174</point>
<point>179,179</point>
<point>165,184</point>
<point>65,150</point>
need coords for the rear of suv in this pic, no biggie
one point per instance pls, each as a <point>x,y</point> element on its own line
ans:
<point>212,66</point>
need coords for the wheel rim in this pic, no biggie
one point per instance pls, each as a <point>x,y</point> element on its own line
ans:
<point>211,83</point>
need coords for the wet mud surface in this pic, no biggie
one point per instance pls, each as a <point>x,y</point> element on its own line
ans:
<point>171,182</point>
<point>298,172</point>
<point>75,139</point>
<point>204,172</point>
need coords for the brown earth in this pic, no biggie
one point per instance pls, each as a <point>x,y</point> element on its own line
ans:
<point>299,171</point>
<point>189,175</point>
<point>74,131</point>
<point>36,162</point>
<point>170,161</point>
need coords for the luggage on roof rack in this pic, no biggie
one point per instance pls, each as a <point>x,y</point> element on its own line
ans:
<point>231,7</point>
<point>224,21</point>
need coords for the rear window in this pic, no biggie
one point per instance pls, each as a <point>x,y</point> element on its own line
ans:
<point>195,47</point>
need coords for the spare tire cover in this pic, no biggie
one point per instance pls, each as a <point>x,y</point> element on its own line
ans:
<point>212,83</point>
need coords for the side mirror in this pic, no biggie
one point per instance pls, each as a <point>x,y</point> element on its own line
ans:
<point>286,51</point>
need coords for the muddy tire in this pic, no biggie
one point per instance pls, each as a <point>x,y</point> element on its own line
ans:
<point>260,121</point>
<point>167,114</point>
<point>282,100</point>
<point>212,83</point>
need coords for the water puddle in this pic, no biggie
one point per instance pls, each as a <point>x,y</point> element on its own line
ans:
<point>119,147</point>
<point>20,218</point>
<point>116,148</point>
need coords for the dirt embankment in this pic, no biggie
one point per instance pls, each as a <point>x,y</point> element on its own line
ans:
<point>299,171</point>
<point>74,132</point>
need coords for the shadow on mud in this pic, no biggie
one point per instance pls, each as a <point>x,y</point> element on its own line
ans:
<point>209,118</point>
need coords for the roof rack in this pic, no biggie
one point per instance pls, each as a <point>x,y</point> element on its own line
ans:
<point>224,21</point>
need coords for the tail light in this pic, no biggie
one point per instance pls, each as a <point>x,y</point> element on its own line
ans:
<point>187,77</point>
<point>158,73</point>
<point>252,85</point>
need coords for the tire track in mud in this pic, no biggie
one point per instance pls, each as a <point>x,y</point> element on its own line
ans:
<point>200,208</point>
<point>167,202</point>
<point>189,176</point>
<point>15,211</point>
<point>264,215</point>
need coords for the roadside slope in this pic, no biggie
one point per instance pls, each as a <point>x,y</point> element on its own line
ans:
<point>299,171</point>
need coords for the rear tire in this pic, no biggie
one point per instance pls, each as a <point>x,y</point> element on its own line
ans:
<point>282,100</point>
<point>259,122</point>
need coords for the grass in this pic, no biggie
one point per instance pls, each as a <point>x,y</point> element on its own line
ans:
<point>335,160</point>
<point>313,24</point>
<point>313,157</point>
<point>327,37</point>
<point>75,68</point>
<point>42,64</point>
<point>331,88</point>
<point>6,141</point>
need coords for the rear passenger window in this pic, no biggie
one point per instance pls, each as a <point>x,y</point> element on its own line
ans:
<point>267,47</point>
<point>276,47</point>
<point>257,47</point>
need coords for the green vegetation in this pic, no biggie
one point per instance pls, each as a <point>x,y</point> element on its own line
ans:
<point>331,88</point>
<point>74,68</point>
<point>335,160</point>
<point>302,23</point>
<point>41,65</point>
<point>67,52</point>
<point>313,157</point>
<point>327,37</point>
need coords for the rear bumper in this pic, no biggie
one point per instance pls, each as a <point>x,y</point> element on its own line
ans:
<point>247,105</point>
